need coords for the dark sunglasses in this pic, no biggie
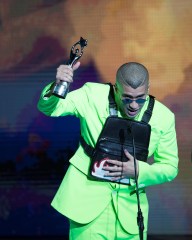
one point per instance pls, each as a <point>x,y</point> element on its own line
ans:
<point>129,101</point>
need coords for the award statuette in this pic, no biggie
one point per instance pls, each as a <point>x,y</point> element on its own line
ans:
<point>61,89</point>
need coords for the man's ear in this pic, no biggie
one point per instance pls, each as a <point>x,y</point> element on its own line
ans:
<point>148,89</point>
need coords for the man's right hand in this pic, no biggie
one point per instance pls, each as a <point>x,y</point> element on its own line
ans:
<point>65,72</point>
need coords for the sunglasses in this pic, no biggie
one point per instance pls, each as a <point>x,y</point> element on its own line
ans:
<point>129,101</point>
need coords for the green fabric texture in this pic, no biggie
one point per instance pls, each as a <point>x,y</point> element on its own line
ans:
<point>81,199</point>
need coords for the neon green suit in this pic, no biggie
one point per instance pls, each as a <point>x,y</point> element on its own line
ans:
<point>82,200</point>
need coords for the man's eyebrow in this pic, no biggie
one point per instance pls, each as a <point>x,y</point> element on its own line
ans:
<point>130,96</point>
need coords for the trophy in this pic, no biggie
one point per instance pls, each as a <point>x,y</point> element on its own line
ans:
<point>61,89</point>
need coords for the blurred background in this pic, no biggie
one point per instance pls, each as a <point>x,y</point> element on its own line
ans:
<point>36,36</point>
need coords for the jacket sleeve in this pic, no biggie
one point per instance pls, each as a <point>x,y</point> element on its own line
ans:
<point>55,106</point>
<point>165,166</point>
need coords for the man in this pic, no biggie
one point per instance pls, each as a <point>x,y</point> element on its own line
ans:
<point>108,210</point>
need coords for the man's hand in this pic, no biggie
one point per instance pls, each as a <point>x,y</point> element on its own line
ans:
<point>120,169</point>
<point>65,72</point>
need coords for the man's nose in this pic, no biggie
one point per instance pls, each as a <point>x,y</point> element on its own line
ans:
<point>134,104</point>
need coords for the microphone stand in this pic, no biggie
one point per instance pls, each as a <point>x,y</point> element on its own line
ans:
<point>140,218</point>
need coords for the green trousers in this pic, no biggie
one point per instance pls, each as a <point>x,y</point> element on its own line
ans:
<point>105,227</point>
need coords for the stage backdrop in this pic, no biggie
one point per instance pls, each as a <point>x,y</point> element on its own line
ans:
<point>35,38</point>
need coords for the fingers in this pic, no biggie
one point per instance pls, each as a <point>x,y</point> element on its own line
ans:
<point>114,174</point>
<point>128,155</point>
<point>118,169</point>
<point>114,162</point>
<point>65,72</point>
<point>76,66</point>
<point>113,168</point>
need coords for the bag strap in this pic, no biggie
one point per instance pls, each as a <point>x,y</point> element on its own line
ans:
<point>112,103</point>
<point>148,113</point>
<point>86,147</point>
<point>112,112</point>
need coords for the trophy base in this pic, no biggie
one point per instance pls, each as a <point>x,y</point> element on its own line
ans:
<point>61,90</point>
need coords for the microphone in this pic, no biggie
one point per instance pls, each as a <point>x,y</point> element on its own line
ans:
<point>140,218</point>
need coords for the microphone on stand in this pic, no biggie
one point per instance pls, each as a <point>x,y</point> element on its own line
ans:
<point>140,219</point>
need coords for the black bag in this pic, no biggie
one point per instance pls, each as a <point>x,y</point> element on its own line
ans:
<point>119,134</point>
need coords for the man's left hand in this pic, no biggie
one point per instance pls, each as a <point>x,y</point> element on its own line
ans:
<point>118,169</point>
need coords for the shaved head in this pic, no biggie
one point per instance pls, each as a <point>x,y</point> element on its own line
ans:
<point>133,74</point>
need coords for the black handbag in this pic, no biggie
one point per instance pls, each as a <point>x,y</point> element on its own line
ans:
<point>119,134</point>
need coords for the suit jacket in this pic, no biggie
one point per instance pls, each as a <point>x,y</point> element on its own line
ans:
<point>82,199</point>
